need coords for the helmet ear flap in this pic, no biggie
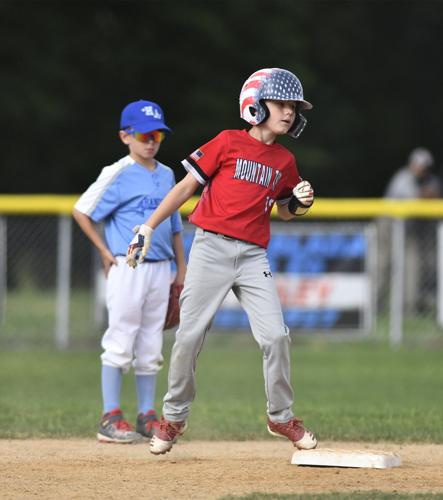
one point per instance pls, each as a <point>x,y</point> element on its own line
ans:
<point>256,114</point>
<point>249,114</point>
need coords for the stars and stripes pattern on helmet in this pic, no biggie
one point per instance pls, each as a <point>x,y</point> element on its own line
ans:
<point>250,109</point>
<point>273,84</point>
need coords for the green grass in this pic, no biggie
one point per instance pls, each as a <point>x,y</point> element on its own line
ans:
<point>29,320</point>
<point>344,391</point>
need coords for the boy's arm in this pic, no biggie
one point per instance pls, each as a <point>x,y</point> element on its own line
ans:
<point>284,213</point>
<point>180,193</point>
<point>89,228</point>
<point>177,244</point>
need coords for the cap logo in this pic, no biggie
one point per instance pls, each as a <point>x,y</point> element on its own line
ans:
<point>150,111</point>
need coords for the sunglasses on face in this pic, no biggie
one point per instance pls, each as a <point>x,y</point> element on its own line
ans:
<point>154,135</point>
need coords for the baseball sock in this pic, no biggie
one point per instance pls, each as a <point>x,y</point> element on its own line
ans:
<point>111,387</point>
<point>145,385</point>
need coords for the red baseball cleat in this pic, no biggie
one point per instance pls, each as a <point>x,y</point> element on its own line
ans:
<point>295,431</point>
<point>166,435</point>
<point>115,429</point>
<point>147,423</point>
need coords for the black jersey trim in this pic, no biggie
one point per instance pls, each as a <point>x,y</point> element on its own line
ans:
<point>189,162</point>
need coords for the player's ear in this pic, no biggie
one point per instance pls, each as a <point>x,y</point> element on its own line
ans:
<point>124,136</point>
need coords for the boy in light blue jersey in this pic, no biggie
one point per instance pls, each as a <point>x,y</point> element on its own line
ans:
<point>124,194</point>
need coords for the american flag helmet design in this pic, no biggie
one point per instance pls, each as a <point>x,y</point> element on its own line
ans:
<point>273,84</point>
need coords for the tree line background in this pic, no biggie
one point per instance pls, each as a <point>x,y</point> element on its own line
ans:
<point>372,69</point>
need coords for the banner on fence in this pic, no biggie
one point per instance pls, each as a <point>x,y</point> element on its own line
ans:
<point>323,278</point>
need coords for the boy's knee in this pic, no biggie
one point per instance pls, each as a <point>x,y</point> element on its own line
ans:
<point>116,361</point>
<point>279,338</point>
<point>148,367</point>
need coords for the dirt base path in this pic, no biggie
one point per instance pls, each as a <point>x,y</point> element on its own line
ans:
<point>80,469</point>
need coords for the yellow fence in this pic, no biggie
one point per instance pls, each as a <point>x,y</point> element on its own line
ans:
<point>404,270</point>
<point>324,208</point>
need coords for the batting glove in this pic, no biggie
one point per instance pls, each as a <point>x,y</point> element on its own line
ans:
<point>139,246</point>
<point>302,198</point>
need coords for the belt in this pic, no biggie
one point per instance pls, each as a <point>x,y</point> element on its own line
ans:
<point>226,237</point>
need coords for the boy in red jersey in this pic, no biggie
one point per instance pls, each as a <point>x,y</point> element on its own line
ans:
<point>244,174</point>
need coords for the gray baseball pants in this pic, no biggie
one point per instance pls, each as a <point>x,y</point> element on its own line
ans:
<point>216,265</point>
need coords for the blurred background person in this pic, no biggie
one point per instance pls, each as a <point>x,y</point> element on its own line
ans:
<point>414,181</point>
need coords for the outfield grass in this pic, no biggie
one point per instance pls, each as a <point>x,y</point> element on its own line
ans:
<point>30,316</point>
<point>344,391</point>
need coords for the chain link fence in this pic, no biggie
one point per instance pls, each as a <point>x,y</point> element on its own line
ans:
<point>48,291</point>
<point>337,278</point>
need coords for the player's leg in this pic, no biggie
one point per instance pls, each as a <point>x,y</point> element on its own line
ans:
<point>209,277</point>
<point>124,299</point>
<point>148,359</point>
<point>256,290</point>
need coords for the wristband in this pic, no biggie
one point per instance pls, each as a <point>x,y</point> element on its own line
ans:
<point>297,208</point>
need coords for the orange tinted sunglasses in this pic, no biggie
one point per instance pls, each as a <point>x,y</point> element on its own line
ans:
<point>154,135</point>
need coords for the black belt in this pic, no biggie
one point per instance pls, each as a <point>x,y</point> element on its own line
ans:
<point>226,237</point>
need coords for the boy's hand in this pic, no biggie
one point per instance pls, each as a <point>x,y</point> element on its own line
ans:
<point>108,260</point>
<point>304,193</point>
<point>139,245</point>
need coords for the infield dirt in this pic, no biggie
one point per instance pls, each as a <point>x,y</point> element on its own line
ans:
<point>84,468</point>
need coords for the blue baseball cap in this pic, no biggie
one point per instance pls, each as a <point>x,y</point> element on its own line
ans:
<point>143,116</point>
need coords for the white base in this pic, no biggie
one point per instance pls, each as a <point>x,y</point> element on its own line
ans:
<point>346,458</point>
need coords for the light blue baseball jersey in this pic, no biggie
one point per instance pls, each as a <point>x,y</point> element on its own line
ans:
<point>125,194</point>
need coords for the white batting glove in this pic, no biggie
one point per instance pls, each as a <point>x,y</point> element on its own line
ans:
<point>304,193</point>
<point>139,246</point>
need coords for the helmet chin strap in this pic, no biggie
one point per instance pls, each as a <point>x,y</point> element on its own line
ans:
<point>298,126</point>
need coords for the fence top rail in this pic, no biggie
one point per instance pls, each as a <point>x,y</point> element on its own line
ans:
<point>323,208</point>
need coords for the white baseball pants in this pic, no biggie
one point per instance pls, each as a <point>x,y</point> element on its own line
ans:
<point>217,265</point>
<point>137,300</point>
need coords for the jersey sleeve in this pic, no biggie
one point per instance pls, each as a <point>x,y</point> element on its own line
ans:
<point>206,160</point>
<point>101,198</point>
<point>292,178</point>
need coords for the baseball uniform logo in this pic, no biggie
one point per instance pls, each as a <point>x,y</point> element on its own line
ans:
<point>151,111</point>
<point>147,205</point>
<point>257,173</point>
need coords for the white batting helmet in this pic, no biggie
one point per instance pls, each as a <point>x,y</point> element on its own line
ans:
<point>273,84</point>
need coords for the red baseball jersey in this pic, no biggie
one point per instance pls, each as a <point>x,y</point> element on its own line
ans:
<point>243,178</point>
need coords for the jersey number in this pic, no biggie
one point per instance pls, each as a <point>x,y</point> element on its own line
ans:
<point>268,203</point>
